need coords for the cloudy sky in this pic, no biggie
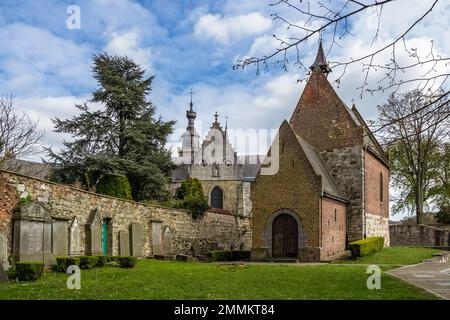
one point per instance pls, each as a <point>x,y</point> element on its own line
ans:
<point>189,44</point>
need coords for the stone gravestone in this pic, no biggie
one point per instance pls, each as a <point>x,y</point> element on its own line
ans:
<point>60,238</point>
<point>33,234</point>
<point>124,243</point>
<point>137,240</point>
<point>157,247</point>
<point>74,238</point>
<point>4,265</point>
<point>94,234</point>
<point>167,242</point>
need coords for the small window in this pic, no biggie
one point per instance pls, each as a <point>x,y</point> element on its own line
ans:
<point>381,186</point>
<point>335,215</point>
<point>217,198</point>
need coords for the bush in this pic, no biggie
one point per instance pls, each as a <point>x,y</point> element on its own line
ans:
<point>89,262</point>
<point>366,246</point>
<point>102,260</point>
<point>190,187</point>
<point>29,271</point>
<point>196,205</point>
<point>126,262</point>
<point>114,186</point>
<point>228,255</point>
<point>62,263</point>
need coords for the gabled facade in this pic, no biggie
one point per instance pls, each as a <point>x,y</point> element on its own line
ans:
<point>323,133</point>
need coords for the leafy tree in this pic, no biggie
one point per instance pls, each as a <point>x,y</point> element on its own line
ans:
<point>114,186</point>
<point>190,196</point>
<point>120,136</point>
<point>414,136</point>
<point>442,189</point>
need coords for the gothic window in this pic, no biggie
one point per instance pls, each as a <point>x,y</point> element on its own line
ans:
<point>381,186</point>
<point>217,198</point>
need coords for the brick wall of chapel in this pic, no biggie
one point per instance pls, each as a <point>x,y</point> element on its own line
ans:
<point>295,186</point>
<point>322,119</point>
<point>333,227</point>
<point>373,203</point>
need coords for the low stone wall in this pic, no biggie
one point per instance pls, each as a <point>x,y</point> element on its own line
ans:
<point>158,230</point>
<point>378,226</point>
<point>418,235</point>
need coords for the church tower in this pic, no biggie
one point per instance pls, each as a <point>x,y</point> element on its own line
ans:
<point>190,139</point>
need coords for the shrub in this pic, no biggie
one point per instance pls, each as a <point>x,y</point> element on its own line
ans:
<point>190,196</point>
<point>126,262</point>
<point>89,262</point>
<point>228,255</point>
<point>196,205</point>
<point>29,271</point>
<point>102,260</point>
<point>366,246</point>
<point>115,186</point>
<point>62,263</point>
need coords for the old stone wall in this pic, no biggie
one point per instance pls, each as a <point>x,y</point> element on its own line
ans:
<point>346,167</point>
<point>333,228</point>
<point>418,235</point>
<point>159,224</point>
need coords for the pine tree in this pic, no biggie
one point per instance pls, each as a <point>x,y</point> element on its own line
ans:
<point>120,137</point>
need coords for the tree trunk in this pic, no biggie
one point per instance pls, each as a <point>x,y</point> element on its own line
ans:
<point>419,198</point>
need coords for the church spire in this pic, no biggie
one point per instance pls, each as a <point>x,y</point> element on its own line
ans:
<point>191,115</point>
<point>320,61</point>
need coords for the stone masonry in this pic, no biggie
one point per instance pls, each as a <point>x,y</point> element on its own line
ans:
<point>67,203</point>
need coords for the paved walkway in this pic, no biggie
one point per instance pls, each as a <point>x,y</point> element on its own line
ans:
<point>433,276</point>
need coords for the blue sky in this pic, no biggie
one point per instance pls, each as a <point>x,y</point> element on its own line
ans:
<point>186,44</point>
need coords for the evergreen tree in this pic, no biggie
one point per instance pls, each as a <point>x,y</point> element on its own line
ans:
<point>121,137</point>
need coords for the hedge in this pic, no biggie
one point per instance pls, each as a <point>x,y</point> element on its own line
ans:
<point>29,271</point>
<point>228,255</point>
<point>126,262</point>
<point>62,263</point>
<point>366,246</point>
<point>89,262</point>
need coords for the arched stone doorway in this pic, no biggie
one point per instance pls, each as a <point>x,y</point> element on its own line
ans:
<point>284,234</point>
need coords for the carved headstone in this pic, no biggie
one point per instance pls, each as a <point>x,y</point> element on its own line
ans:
<point>167,242</point>
<point>157,247</point>
<point>94,234</point>
<point>4,252</point>
<point>60,238</point>
<point>74,237</point>
<point>124,243</point>
<point>33,234</point>
<point>137,240</point>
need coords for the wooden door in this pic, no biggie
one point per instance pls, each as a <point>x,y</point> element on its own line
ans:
<point>284,236</point>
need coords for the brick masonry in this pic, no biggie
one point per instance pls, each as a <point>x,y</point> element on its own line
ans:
<point>64,202</point>
<point>333,228</point>
<point>295,186</point>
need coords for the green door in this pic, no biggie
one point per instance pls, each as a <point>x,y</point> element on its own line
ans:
<point>104,238</point>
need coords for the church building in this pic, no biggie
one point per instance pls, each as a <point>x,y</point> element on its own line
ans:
<point>332,182</point>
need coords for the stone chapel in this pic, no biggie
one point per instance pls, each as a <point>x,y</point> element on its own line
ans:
<point>332,182</point>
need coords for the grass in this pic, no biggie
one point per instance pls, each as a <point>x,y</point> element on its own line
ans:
<point>153,279</point>
<point>395,256</point>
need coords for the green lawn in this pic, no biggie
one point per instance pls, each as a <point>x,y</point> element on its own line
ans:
<point>153,279</point>
<point>395,256</point>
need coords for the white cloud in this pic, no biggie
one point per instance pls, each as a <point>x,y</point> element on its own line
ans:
<point>128,43</point>
<point>224,29</point>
